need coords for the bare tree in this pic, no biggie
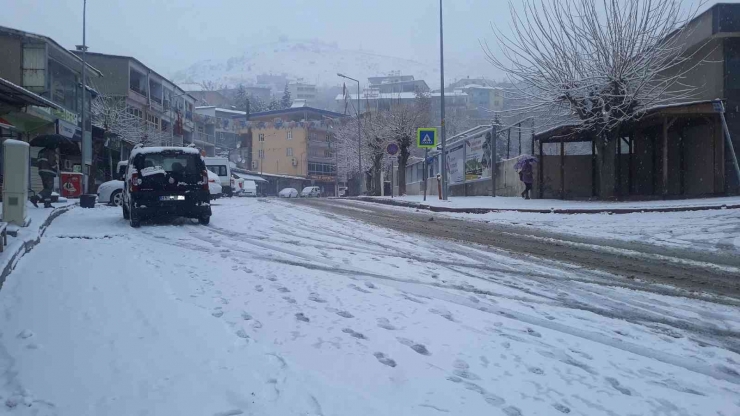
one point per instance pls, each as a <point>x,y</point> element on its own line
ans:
<point>597,63</point>
<point>212,86</point>
<point>112,115</point>
<point>403,119</point>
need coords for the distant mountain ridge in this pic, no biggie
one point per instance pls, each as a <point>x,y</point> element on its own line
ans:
<point>311,61</point>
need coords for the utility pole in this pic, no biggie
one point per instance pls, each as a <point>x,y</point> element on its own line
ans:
<point>442,103</point>
<point>359,134</point>
<point>85,169</point>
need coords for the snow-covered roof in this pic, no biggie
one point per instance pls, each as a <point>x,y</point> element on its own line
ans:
<point>226,110</point>
<point>157,149</point>
<point>399,95</point>
<point>249,177</point>
<point>298,103</point>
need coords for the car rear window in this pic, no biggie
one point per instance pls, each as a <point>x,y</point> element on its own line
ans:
<point>219,170</point>
<point>185,164</point>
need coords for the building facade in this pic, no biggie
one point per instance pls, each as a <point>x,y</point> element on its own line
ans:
<point>303,91</point>
<point>40,65</point>
<point>295,142</point>
<point>217,129</point>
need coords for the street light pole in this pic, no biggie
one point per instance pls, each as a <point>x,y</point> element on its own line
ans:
<point>359,134</point>
<point>442,104</point>
<point>84,155</point>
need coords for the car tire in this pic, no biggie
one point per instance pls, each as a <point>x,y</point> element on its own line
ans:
<point>116,198</point>
<point>134,219</point>
<point>125,212</point>
<point>204,219</point>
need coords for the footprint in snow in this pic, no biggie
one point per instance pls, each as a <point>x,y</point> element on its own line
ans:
<point>242,334</point>
<point>534,333</point>
<point>345,314</point>
<point>369,285</point>
<point>246,316</point>
<point>217,314</point>
<point>536,370</point>
<point>615,383</point>
<point>359,289</point>
<point>272,278</point>
<point>462,369</point>
<point>258,288</point>
<point>25,334</point>
<point>354,334</point>
<point>234,412</point>
<point>289,299</point>
<point>512,411</point>
<point>302,317</point>
<point>283,290</point>
<point>560,408</point>
<point>419,348</point>
<point>443,313</point>
<point>256,324</point>
<point>316,298</point>
<point>385,360</point>
<point>385,324</point>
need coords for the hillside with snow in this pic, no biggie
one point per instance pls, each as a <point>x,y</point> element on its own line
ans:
<point>312,62</point>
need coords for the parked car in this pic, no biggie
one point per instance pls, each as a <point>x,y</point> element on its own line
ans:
<point>220,166</point>
<point>214,185</point>
<point>166,181</point>
<point>311,191</point>
<point>111,192</point>
<point>237,185</point>
<point>288,193</point>
<point>250,188</point>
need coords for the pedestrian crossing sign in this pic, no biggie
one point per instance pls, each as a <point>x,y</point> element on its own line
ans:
<point>426,138</point>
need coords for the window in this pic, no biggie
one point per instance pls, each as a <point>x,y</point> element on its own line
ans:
<point>262,137</point>
<point>290,134</point>
<point>219,170</point>
<point>261,154</point>
<point>328,153</point>
<point>324,169</point>
<point>289,151</point>
<point>328,138</point>
<point>136,112</point>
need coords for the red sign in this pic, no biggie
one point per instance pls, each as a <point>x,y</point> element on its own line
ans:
<point>71,184</point>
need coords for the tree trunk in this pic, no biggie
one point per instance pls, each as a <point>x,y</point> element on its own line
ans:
<point>402,161</point>
<point>606,163</point>
<point>97,150</point>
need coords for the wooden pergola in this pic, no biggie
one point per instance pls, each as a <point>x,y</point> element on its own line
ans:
<point>663,118</point>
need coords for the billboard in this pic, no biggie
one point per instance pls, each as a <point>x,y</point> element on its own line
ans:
<point>456,165</point>
<point>477,158</point>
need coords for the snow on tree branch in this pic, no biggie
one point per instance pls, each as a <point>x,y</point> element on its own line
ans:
<point>600,63</point>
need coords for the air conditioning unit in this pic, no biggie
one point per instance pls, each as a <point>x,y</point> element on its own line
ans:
<point>294,161</point>
<point>254,165</point>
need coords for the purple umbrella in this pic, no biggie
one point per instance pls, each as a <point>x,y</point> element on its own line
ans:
<point>524,160</point>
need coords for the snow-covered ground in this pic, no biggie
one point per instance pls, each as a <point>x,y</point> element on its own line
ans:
<point>278,309</point>
<point>516,203</point>
<point>711,230</point>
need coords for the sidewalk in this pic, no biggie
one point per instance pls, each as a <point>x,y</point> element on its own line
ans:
<point>486,204</point>
<point>28,237</point>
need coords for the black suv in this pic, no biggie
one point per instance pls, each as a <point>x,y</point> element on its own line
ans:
<point>166,181</point>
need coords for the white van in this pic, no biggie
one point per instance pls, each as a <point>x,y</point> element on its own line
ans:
<point>220,166</point>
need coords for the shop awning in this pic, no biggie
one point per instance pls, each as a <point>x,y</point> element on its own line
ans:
<point>56,141</point>
<point>249,177</point>
<point>12,95</point>
<point>5,124</point>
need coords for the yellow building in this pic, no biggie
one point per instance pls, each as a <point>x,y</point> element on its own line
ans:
<point>295,142</point>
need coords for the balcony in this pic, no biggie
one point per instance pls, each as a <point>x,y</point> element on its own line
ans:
<point>207,138</point>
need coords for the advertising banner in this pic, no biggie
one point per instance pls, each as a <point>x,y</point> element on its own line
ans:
<point>456,165</point>
<point>477,158</point>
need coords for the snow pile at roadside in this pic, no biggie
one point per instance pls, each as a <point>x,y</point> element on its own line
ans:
<point>514,203</point>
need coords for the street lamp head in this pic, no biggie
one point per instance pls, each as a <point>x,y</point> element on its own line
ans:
<point>341,75</point>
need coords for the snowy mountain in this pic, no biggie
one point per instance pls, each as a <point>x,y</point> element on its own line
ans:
<point>312,62</point>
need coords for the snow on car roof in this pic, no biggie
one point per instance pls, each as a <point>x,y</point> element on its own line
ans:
<point>156,149</point>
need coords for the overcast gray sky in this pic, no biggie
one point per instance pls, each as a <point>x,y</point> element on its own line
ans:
<point>169,35</point>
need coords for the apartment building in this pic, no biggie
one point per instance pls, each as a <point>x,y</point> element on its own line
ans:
<point>296,142</point>
<point>217,129</point>
<point>303,91</point>
<point>165,109</point>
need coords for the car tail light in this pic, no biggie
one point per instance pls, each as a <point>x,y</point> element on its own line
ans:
<point>134,184</point>
<point>205,180</point>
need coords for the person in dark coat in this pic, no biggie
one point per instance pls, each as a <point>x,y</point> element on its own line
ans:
<point>526,175</point>
<point>47,163</point>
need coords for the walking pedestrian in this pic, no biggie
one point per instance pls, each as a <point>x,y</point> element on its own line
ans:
<point>526,176</point>
<point>46,163</point>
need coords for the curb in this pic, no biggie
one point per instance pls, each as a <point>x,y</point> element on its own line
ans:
<point>566,211</point>
<point>28,245</point>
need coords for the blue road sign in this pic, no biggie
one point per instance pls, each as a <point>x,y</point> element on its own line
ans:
<point>392,149</point>
<point>426,138</point>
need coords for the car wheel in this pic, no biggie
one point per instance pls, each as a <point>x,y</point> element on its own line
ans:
<point>125,212</point>
<point>204,219</point>
<point>117,198</point>
<point>134,219</point>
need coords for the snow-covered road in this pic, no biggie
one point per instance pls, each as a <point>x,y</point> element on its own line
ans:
<point>280,309</point>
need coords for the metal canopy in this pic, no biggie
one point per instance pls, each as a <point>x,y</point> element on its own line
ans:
<point>12,95</point>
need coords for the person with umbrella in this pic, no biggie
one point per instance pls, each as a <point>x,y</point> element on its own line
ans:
<point>526,174</point>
